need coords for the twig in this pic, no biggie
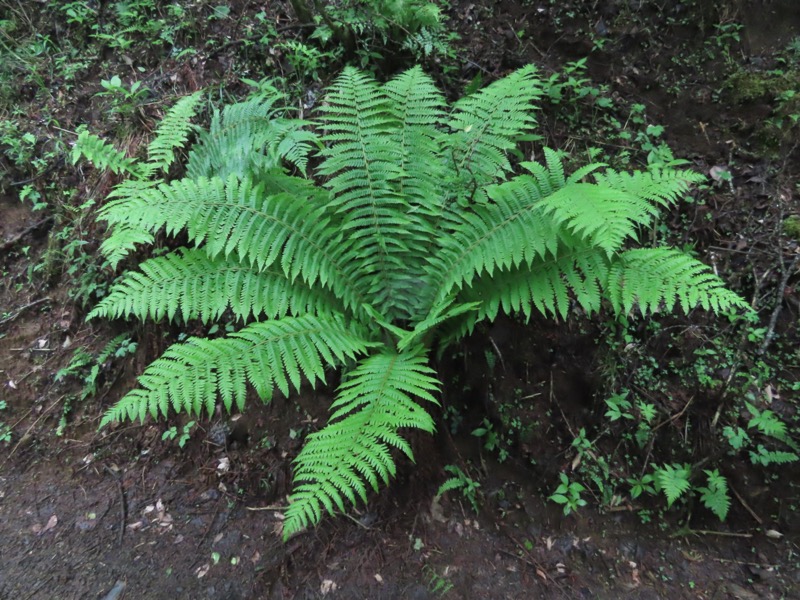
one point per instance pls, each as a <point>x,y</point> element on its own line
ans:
<point>7,245</point>
<point>271,507</point>
<point>753,514</point>
<point>499,354</point>
<point>773,320</point>
<point>123,511</point>
<point>684,532</point>
<point>21,309</point>
<point>49,169</point>
<point>210,525</point>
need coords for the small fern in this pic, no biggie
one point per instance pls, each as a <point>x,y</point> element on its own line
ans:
<point>714,496</point>
<point>410,231</point>
<point>673,481</point>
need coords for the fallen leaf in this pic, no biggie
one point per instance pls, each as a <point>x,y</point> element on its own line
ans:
<point>202,571</point>
<point>327,587</point>
<point>51,522</point>
<point>775,535</point>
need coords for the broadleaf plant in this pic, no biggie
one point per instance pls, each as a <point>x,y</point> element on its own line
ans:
<point>411,228</point>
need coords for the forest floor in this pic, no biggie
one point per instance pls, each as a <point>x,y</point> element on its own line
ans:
<point>128,512</point>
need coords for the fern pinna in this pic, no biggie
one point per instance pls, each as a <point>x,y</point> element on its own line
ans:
<point>412,230</point>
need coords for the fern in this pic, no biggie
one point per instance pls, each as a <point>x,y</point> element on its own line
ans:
<point>103,154</point>
<point>714,496</point>
<point>407,233</point>
<point>379,397</point>
<point>673,481</point>
<point>172,133</point>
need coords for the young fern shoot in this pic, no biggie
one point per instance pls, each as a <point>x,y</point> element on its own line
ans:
<point>412,229</point>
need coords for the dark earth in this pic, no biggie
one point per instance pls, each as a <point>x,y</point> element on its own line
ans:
<point>125,513</point>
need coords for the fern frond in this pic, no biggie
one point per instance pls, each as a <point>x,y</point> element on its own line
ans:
<point>362,163</point>
<point>417,105</point>
<point>102,154</point>
<point>238,140</point>
<point>190,376</point>
<point>489,124</point>
<point>660,185</point>
<point>543,287</point>
<point>241,218</point>
<point>715,495</point>
<point>673,481</point>
<point>353,451</point>
<point>649,277</point>
<point>510,231</point>
<point>190,284</point>
<point>172,132</point>
<point>294,144</point>
<point>123,242</point>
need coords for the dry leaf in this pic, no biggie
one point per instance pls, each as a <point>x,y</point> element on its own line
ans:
<point>328,586</point>
<point>202,571</point>
<point>51,522</point>
<point>775,535</point>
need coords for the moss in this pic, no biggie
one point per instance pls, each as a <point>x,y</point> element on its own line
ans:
<point>746,86</point>
<point>791,227</point>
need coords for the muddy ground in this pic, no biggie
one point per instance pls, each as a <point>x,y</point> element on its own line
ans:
<point>125,513</point>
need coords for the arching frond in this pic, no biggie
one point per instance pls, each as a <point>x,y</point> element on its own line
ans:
<point>489,124</point>
<point>102,154</point>
<point>243,139</point>
<point>172,132</point>
<point>353,452</point>
<point>190,376</point>
<point>189,284</point>
<point>652,279</point>
<point>362,163</point>
<point>241,218</point>
<point>510,231</point>
<point>417,105</point>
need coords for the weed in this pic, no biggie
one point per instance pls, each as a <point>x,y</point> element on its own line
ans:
<point>438,585</point>
<point>568,494</point>
<point>124,100</point>
<point>88,369</point>
<point>5,430</point>
<point>462,482</point>
<point>186,433</point>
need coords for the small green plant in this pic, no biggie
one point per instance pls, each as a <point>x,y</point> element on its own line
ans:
<point>186,433</point>
<point>772,428</point>
<point>568,494</point>
<point>462,482</point>
<point>17,145</point>
<point>365,27</point>
<point>5,430</point>
<point>437,584</point>
<point>88,368</point>
<point>415,231</point>
<point>124,100</point>
<point>492,440</point>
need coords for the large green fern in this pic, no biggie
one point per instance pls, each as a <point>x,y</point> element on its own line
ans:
<point>409,234</point>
